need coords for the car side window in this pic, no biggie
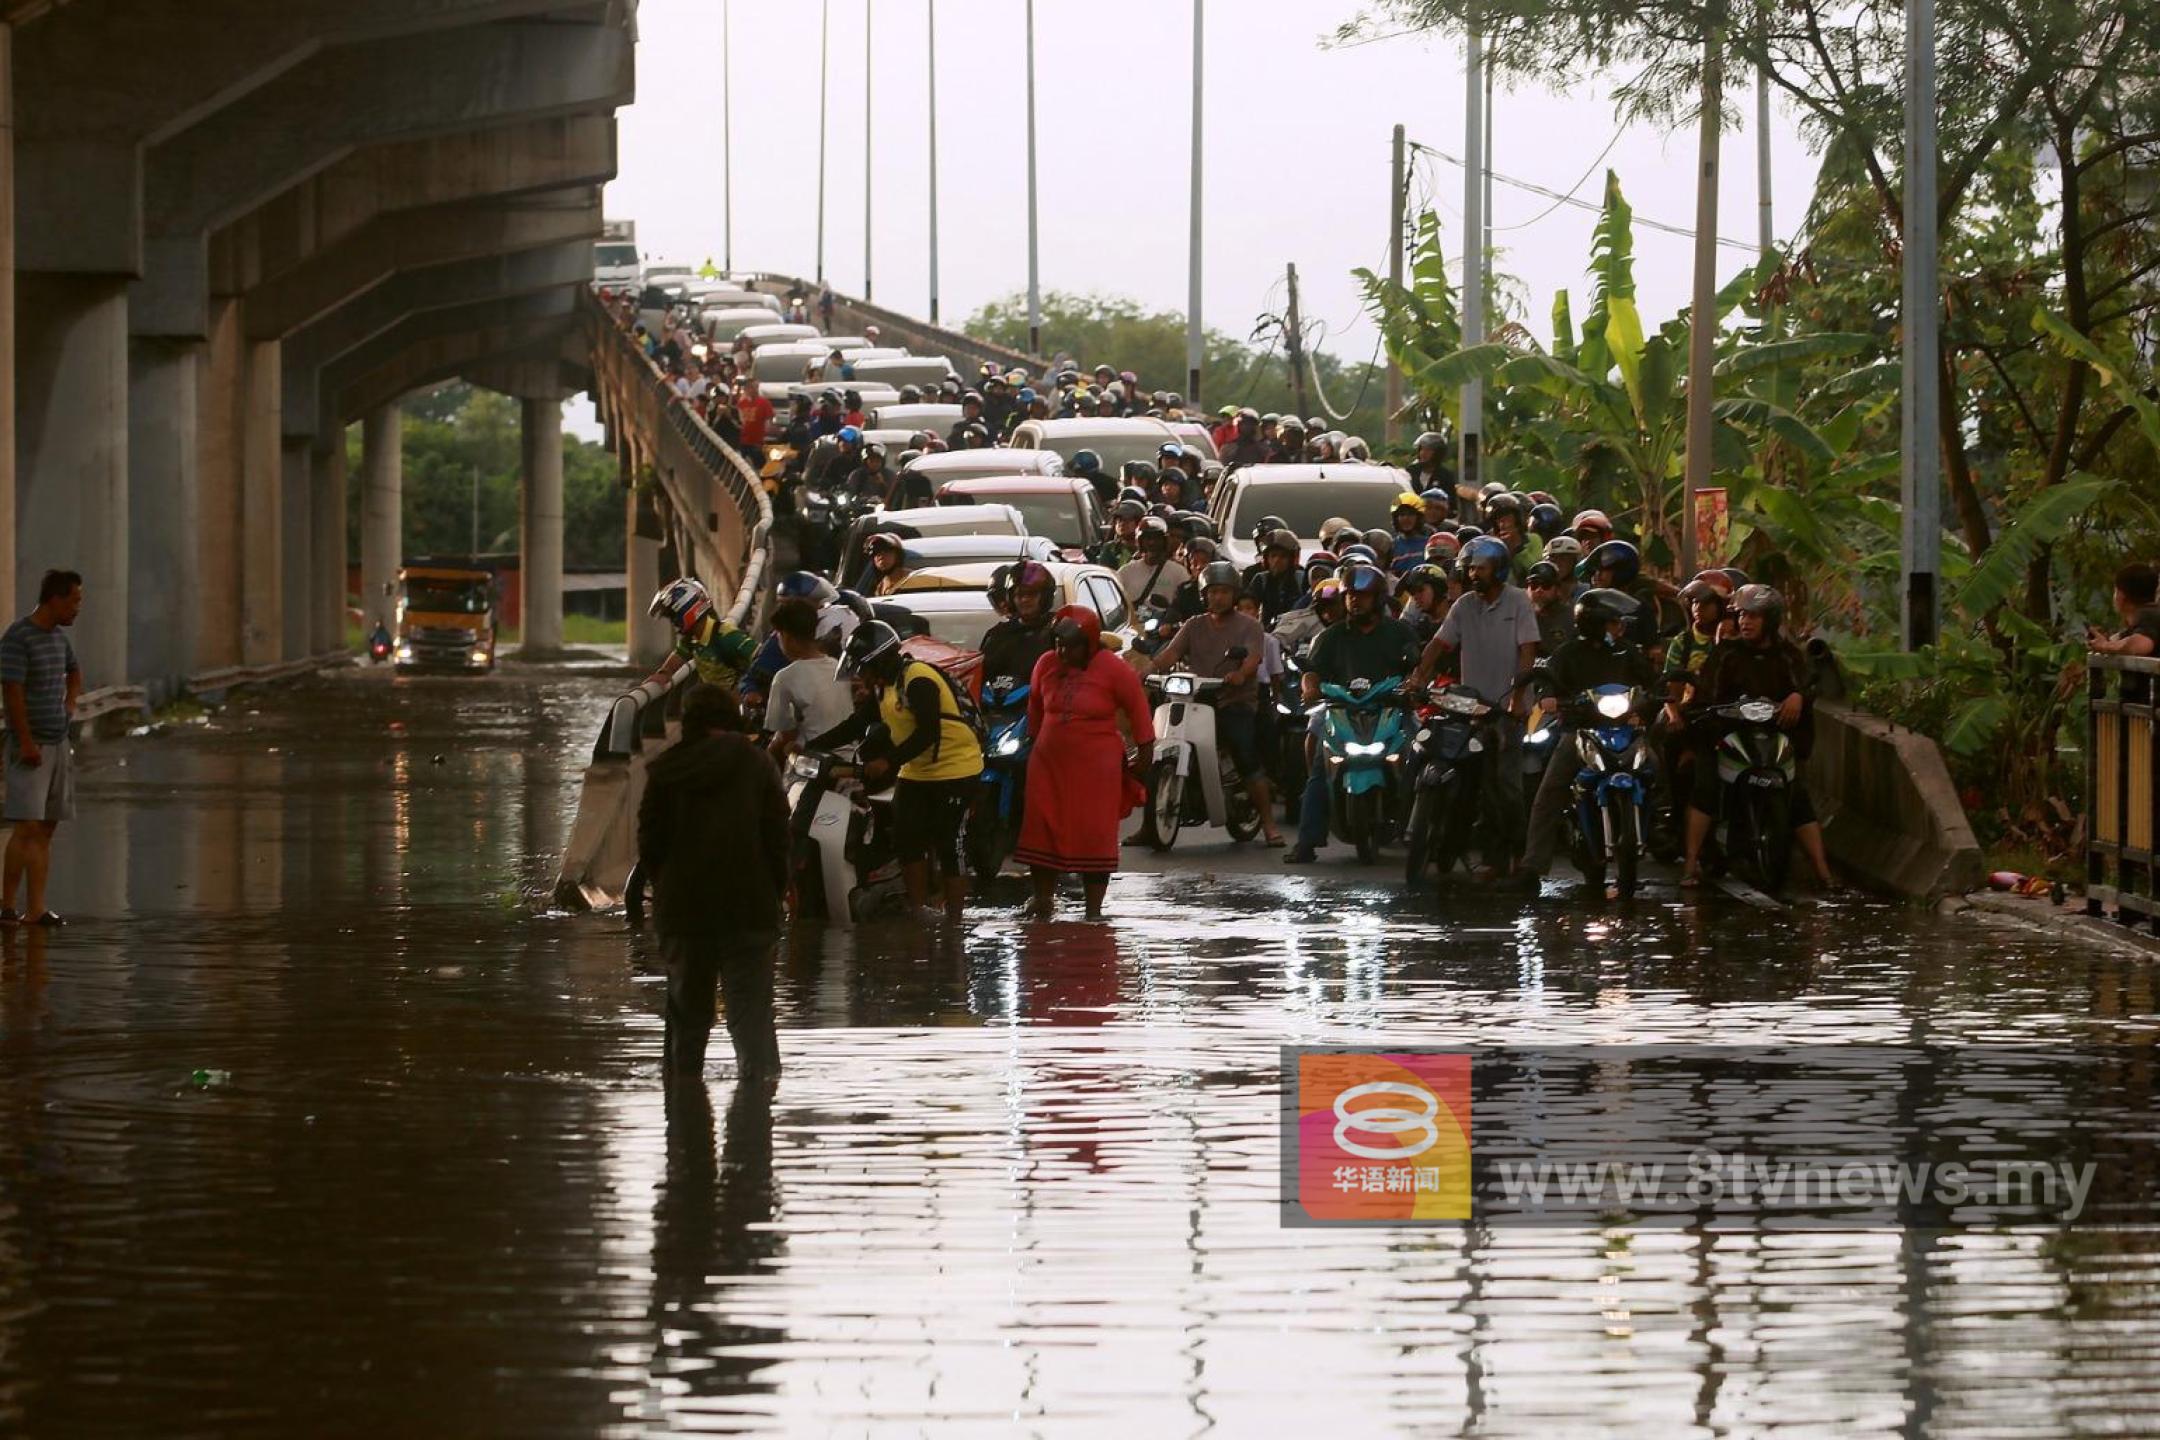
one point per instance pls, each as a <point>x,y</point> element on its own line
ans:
<point>1109,600</point>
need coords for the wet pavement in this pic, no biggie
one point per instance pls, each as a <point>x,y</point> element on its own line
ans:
<point>314,1122</point>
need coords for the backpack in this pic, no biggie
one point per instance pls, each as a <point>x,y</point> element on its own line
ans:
<point>959,672</point>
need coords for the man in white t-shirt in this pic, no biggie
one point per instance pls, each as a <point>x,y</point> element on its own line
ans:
<point>808,697</point>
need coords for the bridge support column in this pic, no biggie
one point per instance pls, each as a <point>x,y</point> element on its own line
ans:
<point>164,449</point>
<point>7,312</point>
<point>326,484</point>
<point>71,455</point>
<point>296,549</point>
<point>262,485</point>
<point>540,544</point>
<point>382,481</point>
<point>220,394</point>
<point>648,637</point>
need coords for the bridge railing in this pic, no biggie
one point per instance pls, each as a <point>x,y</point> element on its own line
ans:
<point>2122,790</point>
<point>967,352</point>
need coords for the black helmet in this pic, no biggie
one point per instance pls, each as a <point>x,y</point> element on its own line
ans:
<point>1542,573</point>
<point>1619,556</point>
<point>971,397</point>
<point>1086,462</point>
<point>1171,451</point>
<point>1429,440</point>
<point>1505,503</point>
<point>1280,539</point>
<point>1200,527</point>
<point>1366,580</point>
<point>1761,600</point>
<point>1268,525</point>
<point>1000,586</point>
<point>909,457</point>
<point>1319,567</point>
<point>1382,541</point>
<point>1595,609</point>
<point>911,394</point>
<point>1222,572</point>
<point>1203,547</point>
<point>1156,526</point>
<point>872,650</point>
<point>1128,509</point>
<point>1139,472</point>
<point>1546,521</point>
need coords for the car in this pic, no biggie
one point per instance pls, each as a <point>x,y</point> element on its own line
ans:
<point>776,333</point>
<point>725,322</point>
<point>669,273</point>
<point>882,352</point>
<point>946,466</point>
<point>1195,436</point>
<point>1116,441</point>
<point>845,344</point>
<point>1063,507</point>
<point>615,262</point>
<point>782,393</point>
<point>924,370</point>
<point>935,551</point>
<point>726,295</point>
<point>940,418</point>
<point>955,599</point>
<point>894,441</point>
<point>1303,496</point>
<point>786,360</point>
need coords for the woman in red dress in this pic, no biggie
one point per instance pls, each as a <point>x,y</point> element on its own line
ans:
<point>1077,785</point>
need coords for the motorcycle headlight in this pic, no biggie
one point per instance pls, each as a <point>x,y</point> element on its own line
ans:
<point>801,767</point>
<point>1758,712</point>
<point>1539,739</point>
<point>479,655</point>
<point>1424,737</point>
<point>1177,685</point>
<point>404,652</point>
<point>1613,707</point>
<point>1009,745</point>
<point>1365,749</point>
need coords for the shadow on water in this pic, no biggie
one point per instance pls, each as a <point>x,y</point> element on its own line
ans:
<point>315,1122</point>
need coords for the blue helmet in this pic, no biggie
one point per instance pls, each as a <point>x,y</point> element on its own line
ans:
<point>1358,552</point>
<point>802,585</point>
<point>1484,548</point>
<point>1365,580</point>
<point>1619,556</point>
<point>1086,462</point>
<point>849,435</point>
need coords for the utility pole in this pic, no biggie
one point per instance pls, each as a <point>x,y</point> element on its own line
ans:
<point>1194,351</point>
<point>933,165</point>
<point>1765,231</point>
<point>824,51</point>
<point>1473,286</point>
<point>1920,537</point>
<point>1294,342</point>
<point>727,147</point>
<point>1396,201</point>
<point>869,169</point>
<point>1702,327</point>
<point>1485,250</point>
<point>474,552</point>
<point>1034,270</point>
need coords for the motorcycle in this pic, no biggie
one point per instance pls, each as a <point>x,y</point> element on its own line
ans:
<point>378,645</point>
<point>1192,782</point>
<point>1611,809</point>
<point>993,826</point>
<point>827,517</point>
<point>1287,765</point>
<point>1756,766</point>
<point>1363,744</point>
<point>1157,626</point>
<point>844,867</point>
<point>1457,737</point>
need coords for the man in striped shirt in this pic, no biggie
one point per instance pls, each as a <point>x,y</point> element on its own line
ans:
<point>39,684</point>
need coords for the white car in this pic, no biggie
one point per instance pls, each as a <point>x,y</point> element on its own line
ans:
<point>1302,497</point>
<point>955,599</point>
<point>928,371</point>
<point>1115,440</point>
<point>776,333</point>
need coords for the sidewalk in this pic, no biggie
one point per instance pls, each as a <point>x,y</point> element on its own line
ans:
<point>2067,920</point>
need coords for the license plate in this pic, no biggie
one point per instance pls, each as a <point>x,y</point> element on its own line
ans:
<point>1764,781</point>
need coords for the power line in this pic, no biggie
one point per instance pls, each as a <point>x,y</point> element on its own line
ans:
<point>1554,195</point>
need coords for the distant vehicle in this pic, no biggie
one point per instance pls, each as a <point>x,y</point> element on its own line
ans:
<point>940,418</point>
<point>846,344</point>
<point>774,333</point>
<point>924,370</point>
<point>1303,497</point>
<point>670,274</point>
<point>1196,437</point>
<point>784,361</point>
<point>721,295</point>
<point>939,551</point>
<point>884,352</point>
<point>1063,507</point>
<point>1116,441</point>
<point>726,323</point>
<point>445,616</point>
<point>1078,583</point>
<point>783,392</point>
<point>946,466</point>
<point>615,256</point>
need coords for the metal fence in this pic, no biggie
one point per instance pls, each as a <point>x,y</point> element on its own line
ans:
<point>2122,791</point>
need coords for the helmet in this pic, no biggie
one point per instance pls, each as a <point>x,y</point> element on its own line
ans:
<point>1248,413</point>
<point>875,447</point>
<point>1435,496</point>
<point>1619,556</point>
<point>828,397</point>
<point>1734,574</point>
<point>802,585</point>
<point>1222,572</point>
<point>1172,400</point>
<point>682,602</point>
<point>1314,425</point>
<point>1355,448</point>
<point>849,435</point>
<point>1000,586</point>
<point>1415,504</point>
<point>1467,533</point>
<point>1031,575</point>
<point>1086,462</point>
<point>1140,472</point>
<point>1432,575</point>
<point>1267,526</point>
<point>1761,600</point>
<point>1171,452</point>
<point>1591,520</point>
<point>1280,539</point>
<point>1200,527</point>
<point>1288,423</point>
<point>1505,503</point>
<point>1430,440</point>
<point>1327,591</point>
<point>971,397</point>
<point>911,394</point>
<point>1563,549</point>
<point>1154,525</point>
<point>909,457</point>
<point>1595,609</point>
<point>1542,497</point>
<point>1360,554</point>
<point>874,648</point>
<point>878,540</point>
<point>1709,585</point>
<point>1319,567</point>
<point>1443,544</point>
<point>1128,508</point>
<point>1487,549</point>
<point>1381,541</point>
<point>853,399</point>
<point>1366,580</point>
<point>1201,547</point>
<point>1542,573</point>
<point>1546,521</point>
<point>1332,527</point>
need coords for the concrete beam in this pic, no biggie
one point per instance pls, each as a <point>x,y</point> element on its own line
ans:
<point>100,80</point>
<point>519,331</point>
<point>299,124</point>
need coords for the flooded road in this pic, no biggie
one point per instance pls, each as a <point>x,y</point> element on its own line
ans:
<point>313,1122</point>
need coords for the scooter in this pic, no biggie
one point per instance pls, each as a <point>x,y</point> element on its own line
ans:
<point>1287,767</point>
<point>993,826</point>
<point>1756,766</point>
<point>378,645</point>
<point>1457,738</point>
<point>1192,782</point>
<point>1610,745</point>
<point>1363,744</point>
<point>843,863</point>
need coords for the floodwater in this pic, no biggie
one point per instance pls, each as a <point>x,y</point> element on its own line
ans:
<point>313,1122</point>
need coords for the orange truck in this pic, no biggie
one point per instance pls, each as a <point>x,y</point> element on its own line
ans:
<point>446,617</point>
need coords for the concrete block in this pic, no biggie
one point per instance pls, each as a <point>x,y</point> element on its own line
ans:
<point>1891,815</point>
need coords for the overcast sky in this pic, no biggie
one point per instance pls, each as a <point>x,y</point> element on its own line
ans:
<point>1296,167</point>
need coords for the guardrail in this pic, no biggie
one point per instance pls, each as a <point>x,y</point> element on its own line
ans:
<point>967,352</point>
<point>2122,790</point>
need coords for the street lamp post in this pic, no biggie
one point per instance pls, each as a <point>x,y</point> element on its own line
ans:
<point>1920,533</point>
<point>1193,346</point>
<point>1034,269</point>
<point>933,165</point>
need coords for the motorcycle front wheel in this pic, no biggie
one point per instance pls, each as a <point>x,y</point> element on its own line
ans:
<point>1773,840</point>
<point>1415,838</point>
<point>1165,805</point>
<point>1239,816</point>
<point>1365,826</point>
<point>1626,844</point>
<point>985,843</point>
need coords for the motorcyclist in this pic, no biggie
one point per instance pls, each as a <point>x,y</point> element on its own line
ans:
<point>1566,553</point>
<point>1203,644</point>
<point>1708,598</point>
<point>1408,542</point>
<point>1591,527</point>
<point>1245,447</point>
<point>1556,625</point>
<point>1438,507</point>
<point>1493,633</point>
<point>1198,553</point>
<point>1757,664</point>
<point>888,561</point>
<point>1424,592</point>
<point>1278,586</point>
<point>770,658</point>
<point>833,463</point>
<point>1429,469</point>
<point>1088,466</point>
<point>871,480</point>
<point>1369,644</point>
<point>1154,571</point>
<point>1336,532</point>
<point>1505,515</point>
<point>1289,440</point>
<point>721,651</point>
<point>1617,565</point>
<point>1301,627</point>
<point>1174,489</point>
<point>1122,545</point>
<point>1011,647</point>
<point>1600,653</point>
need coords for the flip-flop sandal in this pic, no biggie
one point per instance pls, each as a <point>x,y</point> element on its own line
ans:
<point>49,920</point>
<point>1692,882</point>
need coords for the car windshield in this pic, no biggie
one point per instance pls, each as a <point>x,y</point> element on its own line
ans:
<point>447,597</point>
<point>1114,450</point>
<point>615,255</point>
<point>1304,504</point>
<point>1054,516</point>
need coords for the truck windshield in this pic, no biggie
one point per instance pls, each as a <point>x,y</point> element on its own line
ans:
<point>452,597</point>
<point>615,256</point>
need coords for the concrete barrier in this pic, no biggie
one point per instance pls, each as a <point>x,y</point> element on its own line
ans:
<point>1891,816</point>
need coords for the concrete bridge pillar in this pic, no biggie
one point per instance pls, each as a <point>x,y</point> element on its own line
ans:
<point>262,492</point>
<point>164,451</point>
<point>71,454</point>
<point>296,547</point>
<point>382,462</point>
<point>326,483</point>
<point>540,545</point>
<point>217,478</point>
<point>7,312</point>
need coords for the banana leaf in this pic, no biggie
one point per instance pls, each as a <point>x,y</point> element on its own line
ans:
<point>2120,378</point>
<point>1767,419</point>
<point>1974,723</point>
<point>1563,328</point>
<point>2043,519</point>
<point>1755,359</point>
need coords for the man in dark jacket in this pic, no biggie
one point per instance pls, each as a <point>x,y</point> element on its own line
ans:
<point>713,841</point>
